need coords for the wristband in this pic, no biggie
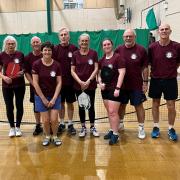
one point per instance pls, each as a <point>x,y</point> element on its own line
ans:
<point>117,88</point>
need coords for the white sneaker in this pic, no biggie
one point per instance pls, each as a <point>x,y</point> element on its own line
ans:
<point>121,126</point>
<point>141,133</point>
<point>18,132</point>
<point>82,133</point>
<point>94,132</point>
<point>12,132</point>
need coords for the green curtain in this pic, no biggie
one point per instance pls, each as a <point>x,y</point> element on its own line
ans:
<point>23,40</point>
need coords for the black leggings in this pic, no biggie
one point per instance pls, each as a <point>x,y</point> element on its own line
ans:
<point>91,110</point>
<point>8,94</point>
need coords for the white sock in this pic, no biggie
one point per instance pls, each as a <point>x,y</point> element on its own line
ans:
<point>141,125</point>
<point>115,133</point>
<point>156,125</point>
<point>62,121</point>
<point>170,126</point>
<point>70,122</point>
<point>48,136</point>
<point>121,121</point>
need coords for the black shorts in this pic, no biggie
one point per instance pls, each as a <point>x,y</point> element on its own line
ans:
<point>68,94</point>
<point>168,87</point>
<point>109,95</point>
<point>32,94</point>
<point>136,97</point>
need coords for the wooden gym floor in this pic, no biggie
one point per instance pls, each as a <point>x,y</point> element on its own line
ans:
<point>90,158</point>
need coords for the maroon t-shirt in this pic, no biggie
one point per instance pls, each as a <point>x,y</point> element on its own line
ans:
<point>84,67</point>
<point>115,63</point>
<point>164,60</point>
<point>47,76</point>
<point>136,59</point>
<point>63,54</point>
<point>5,59</point>
<point>28,63</point>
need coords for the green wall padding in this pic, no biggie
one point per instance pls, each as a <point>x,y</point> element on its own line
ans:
<point>95,42</point>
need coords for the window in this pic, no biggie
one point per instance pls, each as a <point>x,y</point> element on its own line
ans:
<point>73,4</point>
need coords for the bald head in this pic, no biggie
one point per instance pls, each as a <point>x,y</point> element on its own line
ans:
<point>164,31</point>
<point>129,37</point>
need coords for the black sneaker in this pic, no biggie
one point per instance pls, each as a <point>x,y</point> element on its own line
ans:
<point>71,129</point>
<point>114,139</point>
<point>61,128</point>
<point>38,130</point>
<point>108,135</point>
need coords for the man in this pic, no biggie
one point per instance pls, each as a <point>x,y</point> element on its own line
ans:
<point>164,57</point>
<point>136,78</point>
<point>63,54</point>
<point>29,60</point>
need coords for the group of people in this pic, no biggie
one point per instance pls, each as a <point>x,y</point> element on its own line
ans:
<point>61,74</point>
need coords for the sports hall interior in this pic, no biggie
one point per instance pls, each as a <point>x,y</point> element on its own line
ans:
<point>89,158</point>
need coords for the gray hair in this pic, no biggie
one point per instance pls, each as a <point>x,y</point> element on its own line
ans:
<point>7,38</point>
<point>84,34</point>
<point>35,37</point>
<point>64,29</point>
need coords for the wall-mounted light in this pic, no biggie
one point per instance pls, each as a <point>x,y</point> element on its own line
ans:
<point>165,5</point>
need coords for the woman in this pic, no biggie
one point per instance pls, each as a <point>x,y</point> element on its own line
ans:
<point>84,69</point>
<point>47,83</point>
<point>110,78</point>
<point>13,84</point>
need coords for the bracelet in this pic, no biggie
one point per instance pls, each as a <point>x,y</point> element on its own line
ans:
<point>117,88</point>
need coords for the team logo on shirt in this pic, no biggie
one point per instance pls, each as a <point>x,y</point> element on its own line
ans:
<point>133,56</point>
<point>169,55</point>
<point>52,73</point>
<point>90,61</point>
<point>16,61</point>
<point>110,66</point>
<point>70,54</point>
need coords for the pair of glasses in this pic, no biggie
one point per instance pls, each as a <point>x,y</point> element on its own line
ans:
<point>107,44</point>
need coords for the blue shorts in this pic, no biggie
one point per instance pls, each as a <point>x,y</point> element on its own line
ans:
<point>40,107</point>
<point>136,97</point>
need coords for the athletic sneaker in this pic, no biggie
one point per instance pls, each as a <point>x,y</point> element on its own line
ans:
<point>57,141</point>
<point>108,135</point>
<point>12,132</point>
<point>155,132</point>
<point>141,133</point>
<point>83,132</point>
<point>46,141</point>
<point>38,130</point>
<point>114,139</point>
<point>71,129</point>
<point>121,126</point>
<point>172,134</point>
<point>94,132</point>
<point>18,132</point>
<point>61,128</point>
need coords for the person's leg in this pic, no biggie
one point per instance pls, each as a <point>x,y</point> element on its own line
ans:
<point>155,114</point>
<point>70,111</point>
<point>113,109</point>
<point>19,97</point>
<point>170,94</point>
<point>82,117</point>
<point>171,119</point>
<point>54,121</point>
<point>122,111</point>
<point>45,116</point>
<point>140,117</point>
<point>155,92</point>
<point>8,95</point>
